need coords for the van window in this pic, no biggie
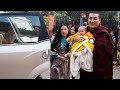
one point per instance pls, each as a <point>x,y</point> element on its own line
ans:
<point>6,31</point>
<point>26,27</point>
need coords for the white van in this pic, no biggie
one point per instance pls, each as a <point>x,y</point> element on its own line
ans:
<point>24,46</point>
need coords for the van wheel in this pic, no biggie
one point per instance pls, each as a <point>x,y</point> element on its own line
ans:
<point>38,77</point>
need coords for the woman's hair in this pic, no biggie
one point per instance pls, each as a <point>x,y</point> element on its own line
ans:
<point>58,39</point>
<point>75,27</point>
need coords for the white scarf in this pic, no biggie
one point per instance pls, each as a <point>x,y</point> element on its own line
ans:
<point>84,61</point>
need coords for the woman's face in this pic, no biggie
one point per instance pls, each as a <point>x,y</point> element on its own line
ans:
<point>72,30</point>
<point>64,31</point>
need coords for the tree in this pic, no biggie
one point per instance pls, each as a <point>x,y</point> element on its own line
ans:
<point>62,17</point>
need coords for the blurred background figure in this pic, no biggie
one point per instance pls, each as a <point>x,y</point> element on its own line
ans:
<point>81,22</point>
<point>73,30</point>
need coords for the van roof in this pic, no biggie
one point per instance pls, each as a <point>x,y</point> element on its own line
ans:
<point>3,12</point>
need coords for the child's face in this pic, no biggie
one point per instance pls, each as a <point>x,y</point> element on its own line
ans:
<point>81,31</point>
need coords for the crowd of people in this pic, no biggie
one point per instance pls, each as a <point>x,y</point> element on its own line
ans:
<point>86,51</point>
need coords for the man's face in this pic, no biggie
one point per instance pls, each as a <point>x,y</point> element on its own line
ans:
<point>94,20</point>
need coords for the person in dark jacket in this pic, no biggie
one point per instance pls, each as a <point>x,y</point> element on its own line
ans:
<point>103,50</point>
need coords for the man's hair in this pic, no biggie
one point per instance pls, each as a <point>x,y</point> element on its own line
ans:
<point>95,12</point>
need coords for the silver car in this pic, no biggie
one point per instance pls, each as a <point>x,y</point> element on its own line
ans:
<point>24,46</point>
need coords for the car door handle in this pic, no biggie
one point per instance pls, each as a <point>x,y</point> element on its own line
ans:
<point>45,54</point>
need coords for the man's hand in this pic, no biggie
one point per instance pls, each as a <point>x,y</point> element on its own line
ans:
<point>78,38</point>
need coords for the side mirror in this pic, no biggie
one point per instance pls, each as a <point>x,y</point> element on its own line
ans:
<point>17,41</point>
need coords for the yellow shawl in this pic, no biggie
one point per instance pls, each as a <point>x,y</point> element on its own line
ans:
<point>85,61</point>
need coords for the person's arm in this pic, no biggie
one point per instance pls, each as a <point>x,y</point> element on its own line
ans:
<point>67,54</point>
<point>52,38</point>
<point>70,38</point>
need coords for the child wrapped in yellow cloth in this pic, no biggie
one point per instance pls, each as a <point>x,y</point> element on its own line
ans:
<point>81,52</point>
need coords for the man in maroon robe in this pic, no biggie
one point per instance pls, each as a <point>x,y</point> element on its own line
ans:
<point>103,50</point>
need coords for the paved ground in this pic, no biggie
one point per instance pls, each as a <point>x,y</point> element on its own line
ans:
<point>116,73</point>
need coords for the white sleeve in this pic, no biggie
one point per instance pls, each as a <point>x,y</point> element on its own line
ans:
<point>68,39</point>
<point>91,41</point>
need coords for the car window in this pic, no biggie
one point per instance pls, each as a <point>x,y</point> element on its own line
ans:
<point>4,23</point>
<point>6,31</point>
<point>26,27</point>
